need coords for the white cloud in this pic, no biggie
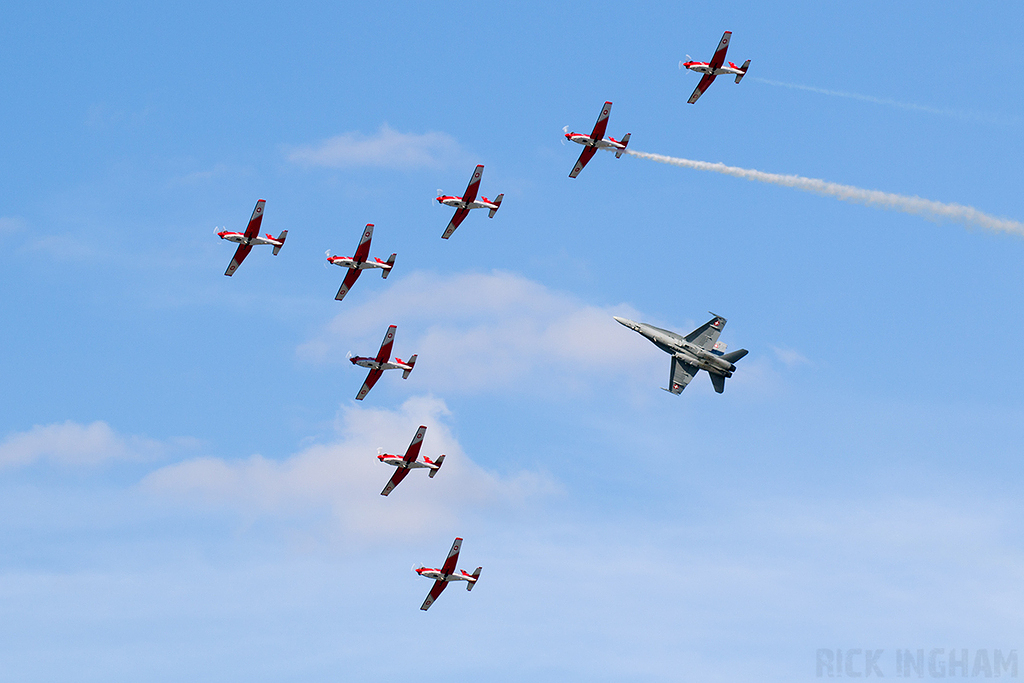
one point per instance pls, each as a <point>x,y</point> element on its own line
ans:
<point>74,444</point>
<point>12,224</point>
<point>488,331</point>
<point>387,148</point>
<point>790,357</point>
<point>345,478</point>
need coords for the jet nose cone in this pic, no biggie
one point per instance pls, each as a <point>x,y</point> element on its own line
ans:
<point>623,321</point>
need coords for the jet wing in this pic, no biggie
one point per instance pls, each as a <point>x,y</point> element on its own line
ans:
<point>587,154</point>
<point>453,557</point>
<point>236,260</point>
<point>346,284</point>
<point>417,443</point>
<point>371,379</point>
<point>395,480</point>
<point>474,184</point>
<point>432,595</point>
<point>460,215</point>
<point>253,229</point>
<point>707,334</point>
<point>384,355</point>
<point>719,59</point>
<point>680,375</point>
<point>363,250</point>
<point>602,122</point>
<point>705,82</point>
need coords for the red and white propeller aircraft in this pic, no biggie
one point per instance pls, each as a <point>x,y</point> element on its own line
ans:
<point>409,461</point>
<point>447,573</point>
<point>360,262</point>
<point>380,363</point>
<point>714,68</point>
<point>468,201</point>
<point>596,140</point>
<point>250,237</point>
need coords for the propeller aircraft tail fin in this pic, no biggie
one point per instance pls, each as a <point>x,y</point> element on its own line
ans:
<point>280,238</point>
<point>746,65</point>
<point>391,264</point>
<point>497,203</point>
<point>476,575</point>
<point>411,362</point>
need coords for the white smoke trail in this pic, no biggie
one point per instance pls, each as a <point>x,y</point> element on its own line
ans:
<point>936,211</point>
<point>910,106</point>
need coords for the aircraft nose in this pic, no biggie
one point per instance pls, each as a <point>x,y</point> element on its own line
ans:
<point>624,321</point>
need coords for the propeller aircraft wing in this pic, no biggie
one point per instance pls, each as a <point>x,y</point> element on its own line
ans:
<point>453,557</point>
<point>602,122</point>
<point>460,215</point>
<point>363,250</point>
<point>417,443</point>
<point>585,156</point>
<point>236,260</point>
<point>384,355</point>
<point>435,591</point>
<point>253,229</point>
<point>474,184</point>
<point>723,46</point>
<point>346,284</point>
<point>371,379</point>
<point>395,480</point>
<point>705,83</point>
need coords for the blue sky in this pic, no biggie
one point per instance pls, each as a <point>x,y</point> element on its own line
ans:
<point>189,491</point>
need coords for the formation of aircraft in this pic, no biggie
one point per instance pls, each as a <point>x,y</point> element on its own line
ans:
<point>381,362</point>
<point>360,262</point>
<point>246,240</point>
<point>446,574</point>
<point>467,202</point>
<point>715,68</point>
<point>699,350</point>
<point>409,461</point>
<point>596,140</point>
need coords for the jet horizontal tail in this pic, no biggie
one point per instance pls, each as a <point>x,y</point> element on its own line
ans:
<point>391,264</point>
<point>734,356</point>
<point>476,575</point>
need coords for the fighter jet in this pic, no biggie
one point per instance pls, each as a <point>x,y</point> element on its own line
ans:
<point>699,350</point>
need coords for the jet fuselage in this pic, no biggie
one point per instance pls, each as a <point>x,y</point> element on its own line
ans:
<point>677,346</point>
